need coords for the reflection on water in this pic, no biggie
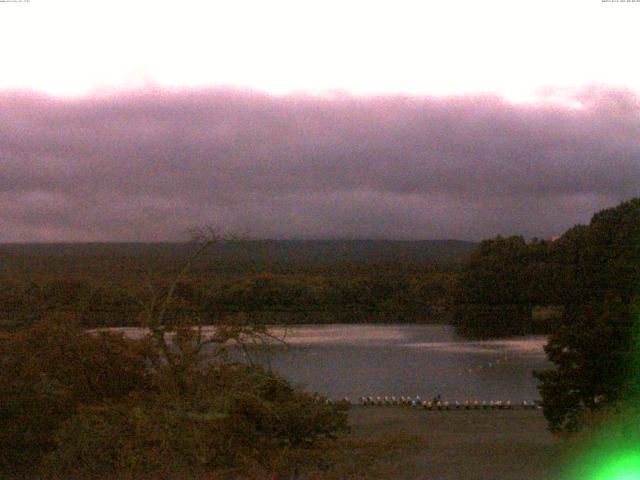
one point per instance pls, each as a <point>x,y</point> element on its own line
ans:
<point>402,336</point>
<point>425,360</point>
<point>530,345</point>
<point>404,360</point>
<point>342,334</point>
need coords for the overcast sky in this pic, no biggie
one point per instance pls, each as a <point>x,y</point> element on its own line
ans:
<point>282,119</point>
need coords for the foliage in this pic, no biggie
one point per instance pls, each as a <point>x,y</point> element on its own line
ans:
<point>49,370</point>
<point>595,345</point>
<point>231,419</point>
<point>98,405</point>
<point>365,293</point>
<point>492,296</point>
<point>78,404</point>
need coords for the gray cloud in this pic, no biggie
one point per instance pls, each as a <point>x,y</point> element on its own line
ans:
<point>148,166</point>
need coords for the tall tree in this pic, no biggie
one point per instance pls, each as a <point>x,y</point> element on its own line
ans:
<point>491,296</point>
<point>593,347</point>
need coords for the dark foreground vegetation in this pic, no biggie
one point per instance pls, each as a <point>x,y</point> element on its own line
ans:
<point>176,404</point>
<point>76,405</point>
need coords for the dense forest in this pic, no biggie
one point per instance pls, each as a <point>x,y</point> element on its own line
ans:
<point>272,281</point>
<point>508,286</point>
<point>595,344</point>
<point>500,287</point>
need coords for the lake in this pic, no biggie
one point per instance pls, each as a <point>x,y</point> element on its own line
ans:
<point>408,360</point>
<point>345,360</point>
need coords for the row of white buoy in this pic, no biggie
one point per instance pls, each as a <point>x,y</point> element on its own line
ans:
<point>438,404</point>
<point>445,405</point>
<point>400,401</point>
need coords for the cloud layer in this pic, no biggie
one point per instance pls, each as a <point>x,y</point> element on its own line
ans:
<point>148,166</point>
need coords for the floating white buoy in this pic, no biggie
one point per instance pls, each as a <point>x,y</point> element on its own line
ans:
<point>404,401</point>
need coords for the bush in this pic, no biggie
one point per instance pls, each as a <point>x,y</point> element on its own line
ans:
<point>47,371</point>
<point>234,419</point>
<point>80,405</point>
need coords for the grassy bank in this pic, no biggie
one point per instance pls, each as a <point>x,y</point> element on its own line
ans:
<point>470,445</point>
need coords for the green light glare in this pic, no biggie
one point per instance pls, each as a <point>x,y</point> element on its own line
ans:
<point>610,451</point>
<point>624,466</point>
<point>607,464</point>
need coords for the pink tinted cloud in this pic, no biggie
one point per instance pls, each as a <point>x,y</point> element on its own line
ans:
<point>148,166</point>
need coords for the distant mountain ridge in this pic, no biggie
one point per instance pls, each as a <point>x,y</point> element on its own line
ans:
<point>368,251</point>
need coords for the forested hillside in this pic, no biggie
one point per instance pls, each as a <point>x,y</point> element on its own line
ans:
<point>272,281</point>
<point>506,281</point>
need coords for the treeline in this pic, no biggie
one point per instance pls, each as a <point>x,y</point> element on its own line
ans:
<point>505,286</point>
<point>107,286</point>
<point>505,281</point>
<point>508,287</point>
<point>231,256</point>
<point>589,281</point>
<point>595,344</point>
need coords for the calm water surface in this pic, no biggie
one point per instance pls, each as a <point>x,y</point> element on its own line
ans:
<point>409,360</point>
<point>404,360</point>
